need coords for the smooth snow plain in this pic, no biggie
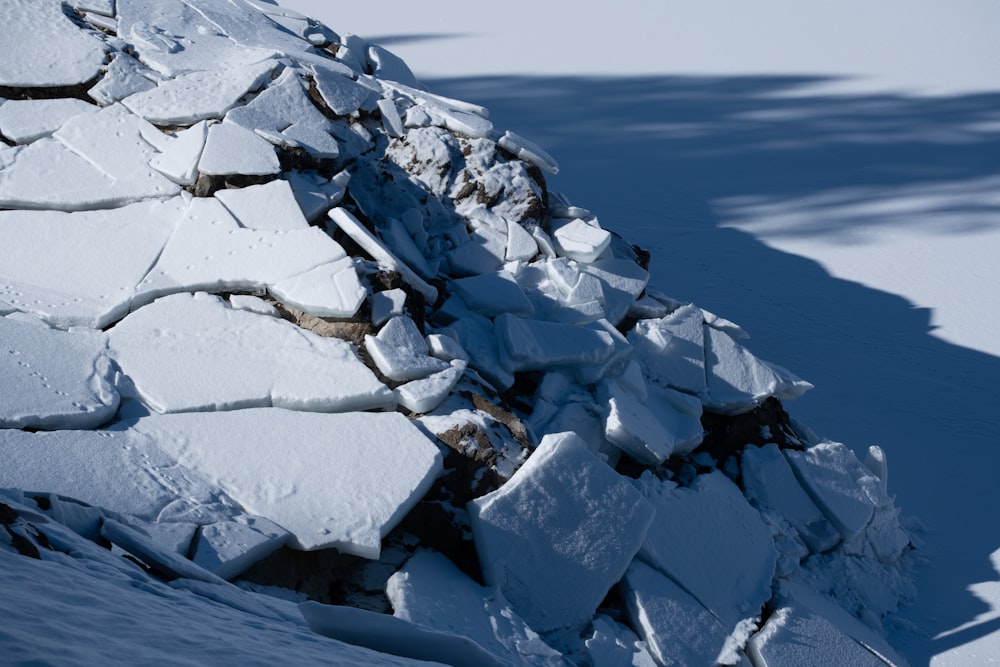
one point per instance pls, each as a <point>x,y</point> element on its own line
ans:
<point>236,474</point>
<point>826,176</point>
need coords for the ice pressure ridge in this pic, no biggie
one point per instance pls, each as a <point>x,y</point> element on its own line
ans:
<point>263,294</point>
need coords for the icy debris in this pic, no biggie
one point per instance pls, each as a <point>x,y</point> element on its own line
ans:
<point>227,548</point>
<point>98,160</point>
<point>475,334</point>
<point>579,239</point>
<point>44,272</point>
<point>677,628</point>
<point>528,151</point>
<point>431,592</point>
<point>194,352</point>
<point>770,483</point>
<point>54,379</point>
<point>268,206</point>
<point>400,351</point>
<point>252,304</point>
<point>100,7</point>
<point>42,48</point>
<point>613,645</point>
<point>231,149</point>
<point>199,95</point>
<point>396,235</point>
<point>332,480</point>
<point>492,294</point>
<point>388,634</point>
<point>315,194</point>
<point>533,344</point>
<point>559,534</point>
<point>446,348</point>
<point>711,522</point>
<point>23,121</point>
<point>841,486</point>
<point>739,381</point>
<point>622,281</point>
<point>370,244</point>
<point>178,160</point>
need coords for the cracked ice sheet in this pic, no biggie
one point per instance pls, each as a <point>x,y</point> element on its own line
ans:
<point>211,252</point>
<point>332,480</point>
<point>187,353</point>
<point>24,121</point>
<point>98,160</point>
<point>54,379</point>
<point>56,265</point>
<point>41,47</point>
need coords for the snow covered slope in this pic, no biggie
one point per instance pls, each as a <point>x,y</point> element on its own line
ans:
<point>281,322</point>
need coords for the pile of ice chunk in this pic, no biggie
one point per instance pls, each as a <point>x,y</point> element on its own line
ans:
<point>260,293</point>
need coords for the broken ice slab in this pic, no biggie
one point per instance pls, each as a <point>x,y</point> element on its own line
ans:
<point>400,351</point>
<point>268,206</point>
<point>556,565</point>
<point>392,123</point>
<point>671,349</point>
<point>492,294</point>
<point>633,427</point>
<point>846,491</point>
<point>390,67</point>
<point>738,381</point>
<point>329,290</point>
<point>711,522</point>
<point>339,480</point>
<point>476,335</point>
<point>388,634</point>
<point>231,149</point>
<point>227,548</point>
<point>198,95</point>
<point>316,194</point>
<point>342,95</point>
<point>98,160</point>
<point>189,352</point>
<point>622,281</point>
<point>44,272</point>
<point>430,591</point>
<point>521,245</point>
<point>396,236</point>
<point>808,630</point>
<point>680,414</point>
<point>677,628</point>
<point>426,394</point>
<point>528,151</point>
<point>124,76</point>
<point>166,562</point>
<point>54,379</point>
<point>179,158</point>
<point>770,483</point>
<point>42,48</point>
<point>579,239</point>
<point>374,247</point>
<point>23,121</point>
<point>532,344</point>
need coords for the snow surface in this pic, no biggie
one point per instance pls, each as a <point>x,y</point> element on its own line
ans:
<point>433,197</point>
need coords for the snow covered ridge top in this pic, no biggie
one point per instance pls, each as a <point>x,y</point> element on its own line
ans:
<point>273,314</point>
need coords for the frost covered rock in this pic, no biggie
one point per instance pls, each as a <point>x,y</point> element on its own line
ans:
<point>556,537</point>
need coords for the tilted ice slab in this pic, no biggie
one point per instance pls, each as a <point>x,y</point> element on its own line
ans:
<point>124,76</point>
<point>227,548</point>
<point>232,149</point>
<point>186,353</point>
<point>672,349</point>
<point>559,534</point>
<point>98,160</point>
<point>677,628</point>
<point>430,591</point>
<point>400,351</point>
<point>199,95</point>
<point>268,206</point>
<point>332,480</point>
<point>211,252</point>
<point>614,645</point>
<point>711,522</point>
<point>54,379</point>
<point>50,265</point>
<point>42,48</point>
